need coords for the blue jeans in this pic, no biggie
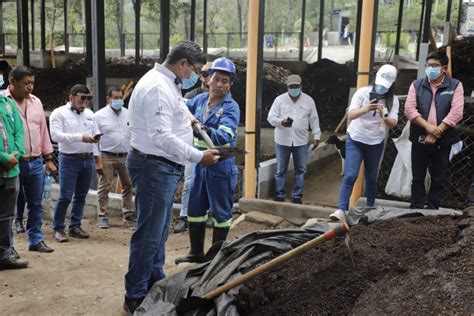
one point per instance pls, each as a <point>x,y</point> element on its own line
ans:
<point>155,183</point>
<point>75,176</point>
<point>20,206</point>
<point>356,152</point>
<point>188,174</point>
<point>300,154</point>
<point>31,186</point>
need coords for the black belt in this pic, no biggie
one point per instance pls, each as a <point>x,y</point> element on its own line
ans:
<point>80,155</point>
<point>108,153</point>
<point>162,159</point>
<point>27,159</point>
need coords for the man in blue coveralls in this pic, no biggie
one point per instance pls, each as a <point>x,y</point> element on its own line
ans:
<point>212,187</point>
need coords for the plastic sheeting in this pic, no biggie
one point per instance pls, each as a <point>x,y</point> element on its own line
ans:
<point>246,253</point>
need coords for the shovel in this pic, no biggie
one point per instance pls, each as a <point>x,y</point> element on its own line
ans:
<point>205,302</point>
<point>223,151</point>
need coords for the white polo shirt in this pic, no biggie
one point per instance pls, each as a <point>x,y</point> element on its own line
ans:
<point>304,115</point>
<point>67,128</point>
<point>367,128</point>
<point>114,127</point>
<point>159,118</point>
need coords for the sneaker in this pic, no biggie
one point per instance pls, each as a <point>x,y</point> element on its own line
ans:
<point>103,223</point>
<point>297,201</point>
<point>78,232</point>
<point>130,218</point>
<point>41,247</point>
<point>182,225</point>
<point>338,216</point>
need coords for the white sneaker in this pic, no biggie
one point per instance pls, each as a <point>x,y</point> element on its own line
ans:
<point>338,216</point>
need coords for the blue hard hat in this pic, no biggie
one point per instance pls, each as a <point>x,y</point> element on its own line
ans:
<point>224,64</point>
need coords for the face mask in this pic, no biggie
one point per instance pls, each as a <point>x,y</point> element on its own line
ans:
<point>433,72</point>
<point>1,81</point>
<point>191,81</point>
<point>294,92</point>
<point>117,104</point>
<point>380,90</point>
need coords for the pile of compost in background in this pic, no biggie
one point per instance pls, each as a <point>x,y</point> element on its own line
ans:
<point>463,62</point>
<point>414,265</point>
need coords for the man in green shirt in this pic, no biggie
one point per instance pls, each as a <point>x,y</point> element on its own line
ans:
<point>11,150</point>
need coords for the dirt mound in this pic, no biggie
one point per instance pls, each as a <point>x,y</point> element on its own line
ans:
<point>328,83</point>
<point>417,265</point>
<point>463,63</point>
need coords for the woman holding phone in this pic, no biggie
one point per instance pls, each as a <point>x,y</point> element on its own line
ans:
<point>373,108</point>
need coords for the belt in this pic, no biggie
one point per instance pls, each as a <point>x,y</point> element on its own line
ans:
<point>162,159</point>
<point>80,155</point>
<point>27,159</point>
<point>108,153</point>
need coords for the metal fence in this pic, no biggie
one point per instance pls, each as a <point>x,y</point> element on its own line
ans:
<point>460,168</point>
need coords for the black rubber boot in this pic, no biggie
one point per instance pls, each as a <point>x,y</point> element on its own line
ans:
<point>197,232</point>
<point>219,234</point>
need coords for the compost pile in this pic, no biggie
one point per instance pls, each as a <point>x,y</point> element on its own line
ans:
<point>413,265</point>
<point>328,83</point>
<point>463,63</point>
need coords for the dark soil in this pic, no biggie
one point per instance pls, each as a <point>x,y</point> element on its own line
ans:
<point>403,266</point>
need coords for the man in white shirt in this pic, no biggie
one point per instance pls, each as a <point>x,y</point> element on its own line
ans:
<point>161,140</point>
<point>291,114</point>
<point>112,123</point>
<point>72,127</point>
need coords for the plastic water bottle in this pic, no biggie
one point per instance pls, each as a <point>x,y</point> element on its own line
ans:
<point>47,187</point>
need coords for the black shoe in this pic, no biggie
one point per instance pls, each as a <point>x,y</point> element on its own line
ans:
<point>197,233</point>
<point>15,253</point>
<point>130,218</point>
<point>297,201</point>
<point>279,199</point>
<point>182,225</point>
<point>60,236</point>
<point>40,247</point>
<point>13,263</point>
<point>19,228</point>
<point>78,232</point>
<point>130,305</point>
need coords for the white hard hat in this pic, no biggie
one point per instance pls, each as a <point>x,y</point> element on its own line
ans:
<point>386,76</point>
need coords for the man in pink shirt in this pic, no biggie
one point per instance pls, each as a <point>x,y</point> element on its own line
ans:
<point>37,146</point>
<point>434,105</point>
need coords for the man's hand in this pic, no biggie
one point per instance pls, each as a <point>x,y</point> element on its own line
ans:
<point>438,132</point>
<point>286,123</point>
<point>12,162</point>
<point>51,167</point>
<point>315,143</point>
<point>98,166</point>
<point>430,139</point>
<point>89,139</point>
<point>430,128</point>
<point>210,157</point>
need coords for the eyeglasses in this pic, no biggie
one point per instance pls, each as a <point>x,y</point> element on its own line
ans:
<point>194,67</point>
<point>84,97</point>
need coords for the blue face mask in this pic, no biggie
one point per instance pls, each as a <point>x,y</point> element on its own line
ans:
<point>191,81</point>
<point>433,72</point>
<point>294,92</point>
<point>116,104</point>
<point>380,90</point>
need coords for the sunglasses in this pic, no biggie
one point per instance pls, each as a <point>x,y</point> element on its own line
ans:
<point>84,97</point>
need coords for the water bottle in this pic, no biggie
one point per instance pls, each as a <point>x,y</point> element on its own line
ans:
<point>47,187</point>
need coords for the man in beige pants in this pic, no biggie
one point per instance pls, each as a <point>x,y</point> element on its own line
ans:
<point>112,122</point>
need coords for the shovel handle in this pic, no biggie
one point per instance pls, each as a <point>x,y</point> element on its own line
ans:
<point>204,135</point>
<point>340,230</point>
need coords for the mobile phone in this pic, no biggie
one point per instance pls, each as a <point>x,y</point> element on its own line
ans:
<point>97,136</point>
<point>421,139</point>
<point>290,120</point>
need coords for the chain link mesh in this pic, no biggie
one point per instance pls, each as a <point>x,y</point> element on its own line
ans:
<point>460,171</point>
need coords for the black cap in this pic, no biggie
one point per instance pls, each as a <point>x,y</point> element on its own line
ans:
<point>79,88</point>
